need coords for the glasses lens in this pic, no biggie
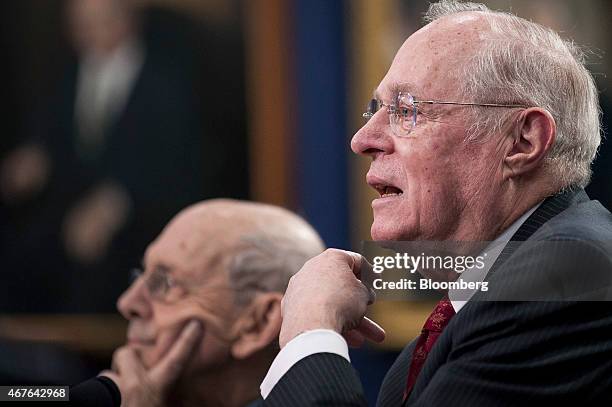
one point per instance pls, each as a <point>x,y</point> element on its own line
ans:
<point>403,117</point>
<point>157,283</point>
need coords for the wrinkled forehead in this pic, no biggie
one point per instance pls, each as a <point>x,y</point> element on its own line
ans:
<point>430,62</point>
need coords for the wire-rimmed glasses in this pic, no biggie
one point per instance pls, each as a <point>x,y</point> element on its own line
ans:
<point>159,283</point>
<point>403,112</point>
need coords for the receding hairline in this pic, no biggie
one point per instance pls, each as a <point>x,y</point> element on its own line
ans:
<point>234,219</point>
<point>439,34</point>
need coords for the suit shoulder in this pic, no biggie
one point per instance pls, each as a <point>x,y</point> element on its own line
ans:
<point>587,221</point>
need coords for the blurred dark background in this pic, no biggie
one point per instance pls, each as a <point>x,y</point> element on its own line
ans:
<point>116,117</point>
<point>116,114</point>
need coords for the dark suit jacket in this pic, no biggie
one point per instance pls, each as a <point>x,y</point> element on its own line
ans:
<point>500,353</point>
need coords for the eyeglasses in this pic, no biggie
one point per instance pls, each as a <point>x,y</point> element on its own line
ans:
<point>159,283</point>
<point>404,111</point>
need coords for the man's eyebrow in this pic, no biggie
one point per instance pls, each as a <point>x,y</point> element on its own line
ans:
<point>409,87</point>
<point>397,87</point>
<point>164,268</point>
<point>158,266</point>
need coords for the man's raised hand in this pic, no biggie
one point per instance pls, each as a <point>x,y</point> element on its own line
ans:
<point>328,293</point>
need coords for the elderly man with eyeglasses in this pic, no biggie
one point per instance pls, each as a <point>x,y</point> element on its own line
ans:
<point>204,314</point>
<point>483,129</point>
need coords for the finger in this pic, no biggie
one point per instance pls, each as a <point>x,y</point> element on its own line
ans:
<point>371,295</point>
<point>371,330</point>
<point>363,272</point>
<point>369,292</point>
<point>354,338</point>
<point>357,261</point>
<point>170,367</point>
<point>126,362</point>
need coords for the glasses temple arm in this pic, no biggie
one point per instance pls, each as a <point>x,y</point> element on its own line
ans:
<point>438,102</point>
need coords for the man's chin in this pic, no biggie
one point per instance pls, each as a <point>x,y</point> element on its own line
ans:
<point>383,232</point>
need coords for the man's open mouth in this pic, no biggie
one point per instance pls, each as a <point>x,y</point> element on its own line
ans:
<point>388,191</point>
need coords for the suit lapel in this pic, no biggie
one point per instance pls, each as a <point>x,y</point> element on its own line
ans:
<point>392,387</point>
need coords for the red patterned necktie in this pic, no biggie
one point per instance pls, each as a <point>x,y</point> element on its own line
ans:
<point>432,329</point>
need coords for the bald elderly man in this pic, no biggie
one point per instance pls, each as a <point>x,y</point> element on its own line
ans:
<point>483,129</point>
<point>204,314</point>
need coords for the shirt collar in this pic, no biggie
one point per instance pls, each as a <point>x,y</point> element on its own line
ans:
<point>493,251</point>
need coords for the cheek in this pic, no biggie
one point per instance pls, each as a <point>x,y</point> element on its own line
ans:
<point>212,350</point>
<point>435,174</point>
<point>167,323</point>
<point>211,353</point>
<point>431,173</point>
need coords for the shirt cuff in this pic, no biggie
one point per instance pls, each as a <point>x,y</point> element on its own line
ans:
<point>300,347</point>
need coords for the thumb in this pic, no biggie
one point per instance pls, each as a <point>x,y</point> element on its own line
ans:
<point>356,260</point>
<point>363,272</point>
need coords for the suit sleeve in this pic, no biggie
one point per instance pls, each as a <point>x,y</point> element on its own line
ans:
<point>97,392</point>
<point>322,379</point>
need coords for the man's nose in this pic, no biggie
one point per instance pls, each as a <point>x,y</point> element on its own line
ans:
<point>135,302</point>
<point>373,138</point>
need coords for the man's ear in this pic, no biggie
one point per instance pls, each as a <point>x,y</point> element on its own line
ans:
<point>259,326</point>
<point>534,137</point>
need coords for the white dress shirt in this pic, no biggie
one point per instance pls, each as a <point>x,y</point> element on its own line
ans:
<point>329,341</point>
<point>493,251</point>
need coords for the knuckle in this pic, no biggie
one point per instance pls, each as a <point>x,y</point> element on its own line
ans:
<point>335,257</point>
<point>362,290</point>
<point>310,264</point>
<point>367,293</point>
<point>331,252</point>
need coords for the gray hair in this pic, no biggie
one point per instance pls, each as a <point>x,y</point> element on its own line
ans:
<point>265,262</point>
<point>522,62</point>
